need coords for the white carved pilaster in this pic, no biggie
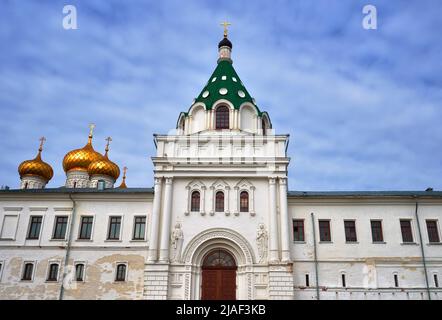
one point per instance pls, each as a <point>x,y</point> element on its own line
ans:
<point>252,201</point>
<point>274,255</point>
<point>285,236</point>
<point>165,227</point>
<point>155,225</point>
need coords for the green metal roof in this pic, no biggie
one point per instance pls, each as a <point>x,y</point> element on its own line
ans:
<point>224,83</point>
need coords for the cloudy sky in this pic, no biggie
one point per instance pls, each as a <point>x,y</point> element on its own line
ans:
<point>363,107</point>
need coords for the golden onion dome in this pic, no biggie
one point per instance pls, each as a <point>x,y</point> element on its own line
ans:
<point>36,166</point>
<point>104,166</point>
<point>80,159</point>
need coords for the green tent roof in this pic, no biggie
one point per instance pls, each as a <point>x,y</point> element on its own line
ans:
<point>224,83</point>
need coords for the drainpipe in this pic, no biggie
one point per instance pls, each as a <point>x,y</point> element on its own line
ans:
<point>68,247</point>
<point>422,251</point>
<point>316,257</point>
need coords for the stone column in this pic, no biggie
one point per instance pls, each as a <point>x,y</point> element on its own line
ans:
<point>203,201</point>
<point>155,223</point>
<point>284,215</point>
<point>274,256</point>
<point>227,201</point>
<point>165,226</point>
<point>236,200</point>
<point>189,199</point>
<point>252,201</point>
<point>212,209</point>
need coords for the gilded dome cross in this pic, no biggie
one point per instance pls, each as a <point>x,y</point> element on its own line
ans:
<point>225,24</point>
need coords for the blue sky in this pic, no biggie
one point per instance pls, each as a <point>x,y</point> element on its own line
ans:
<point>362,107</point>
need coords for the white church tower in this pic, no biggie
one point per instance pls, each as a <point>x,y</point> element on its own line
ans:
<point>220,220</point>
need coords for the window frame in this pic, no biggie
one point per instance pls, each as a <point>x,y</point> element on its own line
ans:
<point>307,280</point>
<point>80,228</point>
<point>303,230</point>
<point>223,123</point>
<point>26,262</point>
<point>437,232</point>
<point>55,227</point>
<point>223,203</point>
<point>355,231</point>
<point>381,231</point>
<point>343,280</point>
<point>395,280</point>
<point>241,208</point>
<point>110,217</point>
<point>410,230</point>
<point>329,231</point>
<point>435,280</point>
<point>125,264</point>
<point>76,263</point>
<point>191,200</point>
<point>134,226</point>
<point>28,234</point>
<point>48,273</point>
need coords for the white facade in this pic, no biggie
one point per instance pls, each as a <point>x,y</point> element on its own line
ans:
<point>220,187</point>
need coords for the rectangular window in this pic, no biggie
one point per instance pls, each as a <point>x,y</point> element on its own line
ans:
<point>436,281</point>
<point>79,272</point>
<point>298,230</point>
<point>376,231</point>
<point>343,280</point>
<point>324,230</point>
<point>27,271</point>
<point>139,228</point>
<point>53,272</point>
<point>433,232</point>
<point>86,228</point>
<point>60,227</point>
<point>350,230</point>
<point>407,234</point>
<point>396,281</point>
<point>34,227</point>
<point>114,228</point>
<point>307,280</point>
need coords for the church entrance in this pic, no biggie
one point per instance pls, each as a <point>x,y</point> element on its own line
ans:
<point>218,276</point>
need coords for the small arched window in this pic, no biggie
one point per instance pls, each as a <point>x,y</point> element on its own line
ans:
<point>219,201</point>
<point>121,273</point>
<point>79,272</point>
<point>195,204</point>
<point>244,201</point>
<point>263,125</point>
<point>222,118</point>
<point>26,185</point>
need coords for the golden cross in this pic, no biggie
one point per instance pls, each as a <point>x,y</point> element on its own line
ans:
<point>108,139</point>
<point>225,24</point>
<point>91,129</point>
<point>42,141</point>
<point>124,172</point>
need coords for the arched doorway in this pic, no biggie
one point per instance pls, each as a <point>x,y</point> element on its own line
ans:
<point>218,276</point>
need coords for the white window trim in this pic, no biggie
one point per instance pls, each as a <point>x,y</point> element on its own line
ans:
<point>48,269</point>
<point>29,227</point>
<point>382,230</point>
<point>319,231</point>
<point>34,263</point>
<point>395,273</point>
<point>438,231</point>
<point>54,225</point>
<point>92,229</point>
<point>84,263</point>
<point>16,227</point>
<point>116,269</point>
<point>109,216</point>
<point>133,227</point>
<point>356,230</point>
<point>434,273</point>
<point>413,230</point>
<point>292,233</point>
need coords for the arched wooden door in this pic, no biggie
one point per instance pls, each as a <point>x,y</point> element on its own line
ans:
<point>218,276</point>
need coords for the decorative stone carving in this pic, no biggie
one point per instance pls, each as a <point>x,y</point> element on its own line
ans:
<point>261,241</point>
<point>176,243</point>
